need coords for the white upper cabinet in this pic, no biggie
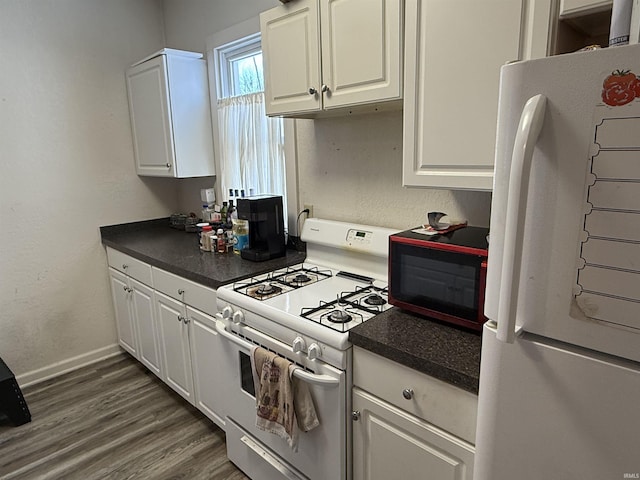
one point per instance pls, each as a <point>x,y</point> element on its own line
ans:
<point>453,53</point>
<point>291,57</point>
<point>579,7</point>
<point>321,55</point>
<point>170,115</point>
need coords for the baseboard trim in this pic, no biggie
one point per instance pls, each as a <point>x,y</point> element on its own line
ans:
<point>68,365</point>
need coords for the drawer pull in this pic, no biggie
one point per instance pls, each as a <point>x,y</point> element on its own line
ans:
<point>407,393</point>
<point>180,291</point>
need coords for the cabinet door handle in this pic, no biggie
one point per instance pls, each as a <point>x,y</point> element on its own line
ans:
<point>168,165</point>
<point>355,415</point>
<point>125,288</point>
<point>180,318</point>
<point>180,291</point>
<point>125,266</point>
<point>407,393</point>
<point>186,320</point>
<point>312,91</point>
<point>325,88</point>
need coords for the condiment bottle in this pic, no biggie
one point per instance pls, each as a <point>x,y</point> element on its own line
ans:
<point>205,239</point>
<point>223,212</point>
<point>240,235</point>
<point>222,244</point>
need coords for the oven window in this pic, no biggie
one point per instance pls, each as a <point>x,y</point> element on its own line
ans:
<point>446,282</point>
<point>246,375</point>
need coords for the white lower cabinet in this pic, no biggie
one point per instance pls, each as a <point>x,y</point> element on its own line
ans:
<point>389,442</point>
<point>147,331</point>
<point>121,295</point>
<point>409,425</point>
<point>161,321</point>
<point>174,345</point>
<point>206,350</point>
<point>189,342</point>
<point>135,316</point>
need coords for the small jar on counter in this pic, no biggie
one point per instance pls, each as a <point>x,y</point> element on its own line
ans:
<point>222,242</point>
<point>205,238</point>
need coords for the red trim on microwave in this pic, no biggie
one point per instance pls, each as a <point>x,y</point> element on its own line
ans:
<point>448,247</point>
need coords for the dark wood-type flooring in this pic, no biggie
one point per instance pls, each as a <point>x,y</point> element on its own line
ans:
<point>112,420</point>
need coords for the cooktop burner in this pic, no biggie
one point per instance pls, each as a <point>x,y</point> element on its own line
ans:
<point>349,308</point>
<point>282,281</point>
<point>339,316</point>
<point>375,299</point>
<point>264,291</point>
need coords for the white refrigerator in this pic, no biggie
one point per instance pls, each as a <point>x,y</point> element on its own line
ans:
<point>560,372</point>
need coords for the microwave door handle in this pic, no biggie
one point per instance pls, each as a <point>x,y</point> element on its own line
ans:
<point>531,121</point>
<point>311,378</point>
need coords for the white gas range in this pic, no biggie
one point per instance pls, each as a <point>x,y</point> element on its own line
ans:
<point>304,313</point>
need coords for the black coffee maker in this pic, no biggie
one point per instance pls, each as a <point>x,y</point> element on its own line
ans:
<point>266,227</point>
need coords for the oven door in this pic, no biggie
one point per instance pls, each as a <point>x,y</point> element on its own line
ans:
<point>321,453</point>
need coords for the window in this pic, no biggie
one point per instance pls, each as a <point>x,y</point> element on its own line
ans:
<point>251,145</point>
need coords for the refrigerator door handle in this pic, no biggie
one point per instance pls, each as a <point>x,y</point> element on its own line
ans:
<point>529,128</point>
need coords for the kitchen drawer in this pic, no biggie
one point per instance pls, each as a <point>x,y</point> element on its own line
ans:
<point>433,400</point>
<point>129,265</point>
<point>198,296</point>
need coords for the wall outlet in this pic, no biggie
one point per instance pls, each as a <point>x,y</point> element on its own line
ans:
<point>310,208</point>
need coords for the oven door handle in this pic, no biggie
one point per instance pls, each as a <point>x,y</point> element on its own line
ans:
<point>299,373</point>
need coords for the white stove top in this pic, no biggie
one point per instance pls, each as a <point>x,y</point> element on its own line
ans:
<point>325,303</point>
<point>329,286</point>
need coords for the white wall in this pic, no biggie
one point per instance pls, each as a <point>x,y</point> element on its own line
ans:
<point>350,168</point>
<point>66,167</point>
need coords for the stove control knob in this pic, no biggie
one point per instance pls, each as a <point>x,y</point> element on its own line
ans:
<point>314,351</point>
<point>227,312</point>
<point>298,345</point>
<point>238,317</point>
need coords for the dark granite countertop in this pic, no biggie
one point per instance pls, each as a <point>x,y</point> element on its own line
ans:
<point>176,251</point>
<point>445,352</point>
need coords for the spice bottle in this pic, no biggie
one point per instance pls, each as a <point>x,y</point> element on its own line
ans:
<point>222,244</point>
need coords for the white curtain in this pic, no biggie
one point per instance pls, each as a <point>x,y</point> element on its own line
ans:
<point>252,147</point>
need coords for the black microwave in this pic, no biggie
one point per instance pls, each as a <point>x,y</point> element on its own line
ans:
<point>441,276</point>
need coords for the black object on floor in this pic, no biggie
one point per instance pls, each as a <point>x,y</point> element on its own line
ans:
<point>11,400</point>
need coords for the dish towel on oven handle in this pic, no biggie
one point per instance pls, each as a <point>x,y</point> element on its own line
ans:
<point>283,404</point>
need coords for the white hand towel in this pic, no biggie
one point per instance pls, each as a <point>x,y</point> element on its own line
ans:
<point>305,411</point>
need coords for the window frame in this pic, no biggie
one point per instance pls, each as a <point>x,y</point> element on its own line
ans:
<point>224,56</point>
